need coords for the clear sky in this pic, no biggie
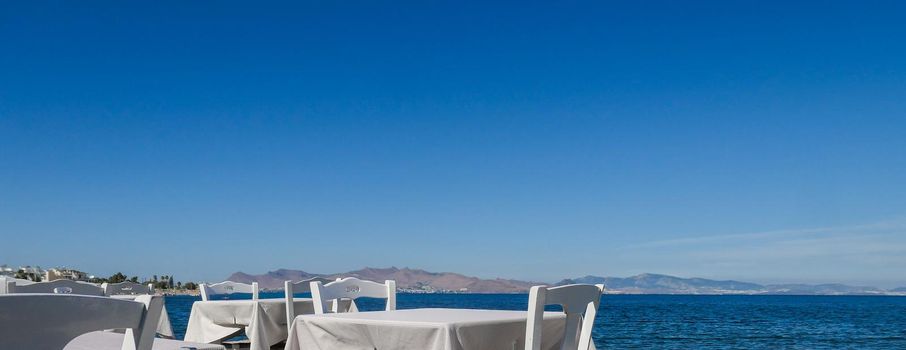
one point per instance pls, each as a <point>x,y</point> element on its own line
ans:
<point>763,141</point>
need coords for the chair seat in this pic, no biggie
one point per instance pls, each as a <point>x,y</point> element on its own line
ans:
<point>237,344</point>
<point>114,341</point>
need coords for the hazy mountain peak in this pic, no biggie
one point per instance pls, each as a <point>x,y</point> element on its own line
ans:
<point>417,280</point>
<point>407,279</point>
<point>650,283</point>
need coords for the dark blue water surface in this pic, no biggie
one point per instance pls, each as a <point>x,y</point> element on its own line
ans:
<point>694,322</point>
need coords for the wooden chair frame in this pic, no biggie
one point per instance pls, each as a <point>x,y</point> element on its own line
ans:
<point>50,321</point>
<point>228,287</point>
<point>580,303</point>
<point>291,288</point>
<point>351,288</point>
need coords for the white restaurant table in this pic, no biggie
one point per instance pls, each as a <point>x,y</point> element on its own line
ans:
<point>164,328</point>
<point>421,329</point>
<point>264,320</point>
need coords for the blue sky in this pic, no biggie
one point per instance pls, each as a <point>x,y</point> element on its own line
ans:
<point>749,140</point>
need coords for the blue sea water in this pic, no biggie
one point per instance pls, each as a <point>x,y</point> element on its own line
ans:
<point>694,322</point>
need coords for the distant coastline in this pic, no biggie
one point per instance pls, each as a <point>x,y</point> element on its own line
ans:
<point>417,281</point>
<point>420,281</point>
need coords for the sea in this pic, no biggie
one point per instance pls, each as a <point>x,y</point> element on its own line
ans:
<point>691,321</point>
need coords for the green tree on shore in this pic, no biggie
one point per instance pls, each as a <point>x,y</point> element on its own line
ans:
<point>118,277</point>
<point>22,275</point>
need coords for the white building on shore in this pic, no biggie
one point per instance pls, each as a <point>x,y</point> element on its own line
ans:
<point>36,273</point>
<point>32,273</point>
<point>64,273</point>
<point>7,271</point>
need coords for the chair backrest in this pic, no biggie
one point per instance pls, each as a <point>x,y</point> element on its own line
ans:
<point>351,288</point>
<point>63,286</point>
<point>6,280</point>
<point>127,288</point>
<point>50,321</point>
<point>228,287</point>
<point>292,288</point>
<point>580,303</point>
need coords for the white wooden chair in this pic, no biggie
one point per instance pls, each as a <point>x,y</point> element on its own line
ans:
<point>291,288</point>
<point>47,321</point>
<point>56,287</point>
<point>127,288</point>
<point>228,287</point>
<point>4,281</point>
<point>351,288</point>
<point>580,303</point>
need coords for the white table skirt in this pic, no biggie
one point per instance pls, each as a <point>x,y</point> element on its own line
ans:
<point>164,328</point>
<point>421,329</point>
<point>264,320</point>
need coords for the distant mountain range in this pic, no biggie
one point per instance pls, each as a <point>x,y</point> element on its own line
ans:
<point>421,281</point>
<point>662,284</point>
<point>410,280</point>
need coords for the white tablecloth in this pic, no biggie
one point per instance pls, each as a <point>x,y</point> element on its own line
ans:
<point>164,328</point>
<point>114,341</point>
<point>421,329</point>
<point>264,320</point>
